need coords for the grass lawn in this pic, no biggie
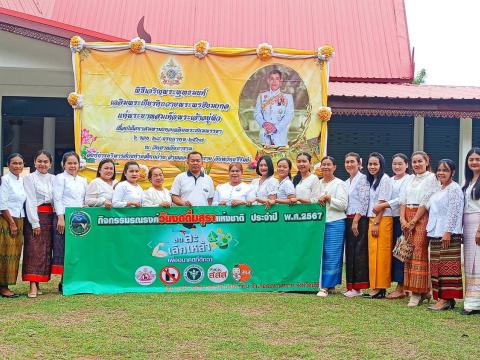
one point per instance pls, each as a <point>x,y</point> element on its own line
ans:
<point>229,326</point>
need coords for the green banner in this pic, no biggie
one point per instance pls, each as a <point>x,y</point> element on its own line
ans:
<point>212,248</point>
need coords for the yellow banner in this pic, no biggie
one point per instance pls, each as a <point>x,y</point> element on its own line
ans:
<point>155,107</point>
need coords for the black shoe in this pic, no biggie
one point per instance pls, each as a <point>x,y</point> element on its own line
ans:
<point>469,312</point>
<point>11,296</point>
<point>379,295</point>
<point>60,288</point>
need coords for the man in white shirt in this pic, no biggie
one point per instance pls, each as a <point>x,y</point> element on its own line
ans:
<point>193,187</point>
<point>274,112</point>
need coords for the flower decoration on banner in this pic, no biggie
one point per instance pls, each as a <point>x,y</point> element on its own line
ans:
<point>86,145</point>
<point>75,100</point>
<point>137,45</point>
<point>253,164</point>
<point>77,43</point>
<point>325,52</point>
<point>264,51</point>
<point>325,113</point>
<point>201,49</point>
<point>143,172</point>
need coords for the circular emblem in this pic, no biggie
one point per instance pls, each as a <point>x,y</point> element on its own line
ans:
<point>217,273</point>
<point>145,275</point>
<point>194,274</point>
<point>169,275</point>
<point>241,272</point>
<point>80,223</point>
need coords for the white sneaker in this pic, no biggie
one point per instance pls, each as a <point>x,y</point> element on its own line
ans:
<point>322,293</point>
<point>352,293</point>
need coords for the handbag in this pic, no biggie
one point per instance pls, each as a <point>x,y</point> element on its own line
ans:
<point>403,249</point>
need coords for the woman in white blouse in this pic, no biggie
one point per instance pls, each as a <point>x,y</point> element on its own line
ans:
<point>100,190</point>
<point>235,192</point>
<point>286,190</point>
<point>306,184</point>
<point>444,231</point>
<point>380,229</point>
<point>68,191</point>
<point>157,195</point>
<point>400,168</point>
<point>356,235</point>
<point>333,195</point>
<point>37,250</point>
<point>414,219</point>
<point>264,189</point>
<point>127,192</point>
<point>471,233</point>
<point>12,198</point>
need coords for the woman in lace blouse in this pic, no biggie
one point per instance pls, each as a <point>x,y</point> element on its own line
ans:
<point>413,219</point>
<point>444,231</point>
<point>356,234</point>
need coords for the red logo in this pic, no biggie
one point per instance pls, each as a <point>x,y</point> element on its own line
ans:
<point>169,275</point>
<point>241,272</point>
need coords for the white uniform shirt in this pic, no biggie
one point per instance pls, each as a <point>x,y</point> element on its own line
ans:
<point>358,194</point>
<point>471,205</point>
<point>196,190</point>
<point>68,191</point>
<point>227,192</point>
<point>154,197</point>
<point>265,189</point>
<point>276,108</point>
<point>338,203</point>
<point>383,192</point>
<point>39,190</point>
<point>12,195</point>
<point>308,188</point>
<point>285,189</point>
<point>445,211</point>
<point>125,192</point>
<point>397,187</point>
<point>418,189</point>
<point>99,191</point>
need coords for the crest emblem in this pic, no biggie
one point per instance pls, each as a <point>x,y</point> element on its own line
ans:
<point>171,73</point>
<point>80,223</point>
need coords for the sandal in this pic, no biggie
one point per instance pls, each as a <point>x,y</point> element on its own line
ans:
<point>395,296</point>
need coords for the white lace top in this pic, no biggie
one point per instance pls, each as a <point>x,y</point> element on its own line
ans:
<point>445,211</point>
<point>397,187</point>
<point>383,192</point>
<point>358,194</point>
<point>418,189</point>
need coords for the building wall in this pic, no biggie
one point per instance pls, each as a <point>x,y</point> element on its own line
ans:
<point>30,67</point>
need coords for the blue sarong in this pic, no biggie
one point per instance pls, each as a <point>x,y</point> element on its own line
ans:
<point>332,261</point>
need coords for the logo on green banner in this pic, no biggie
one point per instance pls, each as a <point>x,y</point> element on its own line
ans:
<point>80,223</point>
<point>194,274</point>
